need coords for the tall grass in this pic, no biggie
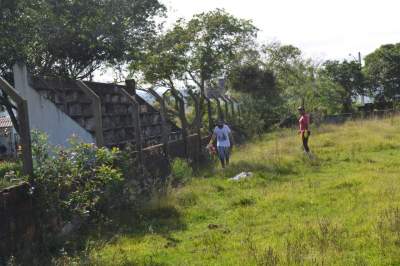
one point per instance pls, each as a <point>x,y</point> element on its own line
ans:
<point>339,208</point>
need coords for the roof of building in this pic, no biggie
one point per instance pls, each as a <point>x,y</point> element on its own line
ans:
<point>5,122</point>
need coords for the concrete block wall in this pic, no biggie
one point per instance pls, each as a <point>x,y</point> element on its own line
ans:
<point>48,110</point>
<point>117,111</point>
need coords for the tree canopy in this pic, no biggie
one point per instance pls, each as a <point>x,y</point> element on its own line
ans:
<point>253,79</point>
<point>349,76</point>
<point>382,68</point>
<point>197,50</point>
<point>74,38</point>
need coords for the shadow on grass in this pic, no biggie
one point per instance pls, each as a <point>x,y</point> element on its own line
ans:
<point>155,219</point>
<point>161,220</point>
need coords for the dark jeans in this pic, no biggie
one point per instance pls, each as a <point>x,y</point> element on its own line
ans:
<point>224,154</point>
<point>305,143</point>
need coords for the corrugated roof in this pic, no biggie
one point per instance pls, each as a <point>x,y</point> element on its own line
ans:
<point>5,121</point>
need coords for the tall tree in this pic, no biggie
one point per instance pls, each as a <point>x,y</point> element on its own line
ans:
<point>257,88</point>
<point>195,51</point>
<point>214,40</point>
<point>71,38</point>
<point>253,79</point>
<point>294,75</point>
<point>16,20</point>
<point>74,38</point>
<point>349,76</point>
<point>382,68</point>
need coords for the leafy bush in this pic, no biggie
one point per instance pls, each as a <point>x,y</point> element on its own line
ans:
<point>74,184</point>
<point>180,172</point>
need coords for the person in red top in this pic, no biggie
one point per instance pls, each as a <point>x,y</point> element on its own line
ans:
<point>304,123</point>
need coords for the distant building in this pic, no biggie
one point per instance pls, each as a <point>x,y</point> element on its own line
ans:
<point>8,137</point>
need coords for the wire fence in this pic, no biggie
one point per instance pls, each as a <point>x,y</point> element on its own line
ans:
<point>320,118</point>
<point>364,115</point>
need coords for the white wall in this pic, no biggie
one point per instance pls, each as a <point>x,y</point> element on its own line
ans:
<point>45,116</point>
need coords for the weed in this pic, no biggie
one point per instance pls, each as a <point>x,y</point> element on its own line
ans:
<point>187,199</point>
<point>181,172</point>
<point>269,258</point>
<point>244,202</point>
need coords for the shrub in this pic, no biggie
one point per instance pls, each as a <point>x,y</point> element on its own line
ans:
<point>180,172</point>
<point>74,184</point>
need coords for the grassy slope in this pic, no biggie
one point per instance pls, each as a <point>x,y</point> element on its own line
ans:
<point>342,208</point>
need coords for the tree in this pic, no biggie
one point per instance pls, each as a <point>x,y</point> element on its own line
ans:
<point>201,49</point>
<point>74,38</point>
<point>382,68</point>
<point>258,91</point>
<point>214,40</point>
<point>71,39</point>
<point>194,52</point>
<point>349,76</point>
<point>17,18</point>
<point>253,79</point>
<point>162,62</point>
<point>328,95</point>
<point>295,76</point>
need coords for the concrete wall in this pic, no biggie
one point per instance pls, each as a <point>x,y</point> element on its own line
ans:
<point>45,116</point>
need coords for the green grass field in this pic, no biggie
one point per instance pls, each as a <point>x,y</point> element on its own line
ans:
<point>340,208</point>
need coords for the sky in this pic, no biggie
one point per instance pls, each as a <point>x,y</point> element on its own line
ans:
<point>322,29</point>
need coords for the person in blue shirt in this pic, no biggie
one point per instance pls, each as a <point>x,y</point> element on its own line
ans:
<point>223,135</point>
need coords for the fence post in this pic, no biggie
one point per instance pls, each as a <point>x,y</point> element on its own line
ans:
<point>235,101</point>
<point>24,128</point>
<point>131,86</point>
<point>226,108</point>
<point>197,123</point>
<point>182,116</point>
<point>96,108</point>
<point>164,127</point>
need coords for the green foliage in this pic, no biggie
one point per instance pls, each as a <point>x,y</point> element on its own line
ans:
<point>16,19</point>
<point>328,98</point>
<point>198,50</point>
<point>257,115</point>
<point>181,172</point>
<point>74,38</point>
<point>214,38</point>
<point>259,96</point>
<point>295,76</point>
<point>382,68</point>
<point>74,182</point>
<point>251,78</point>
<point>349,76</point>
